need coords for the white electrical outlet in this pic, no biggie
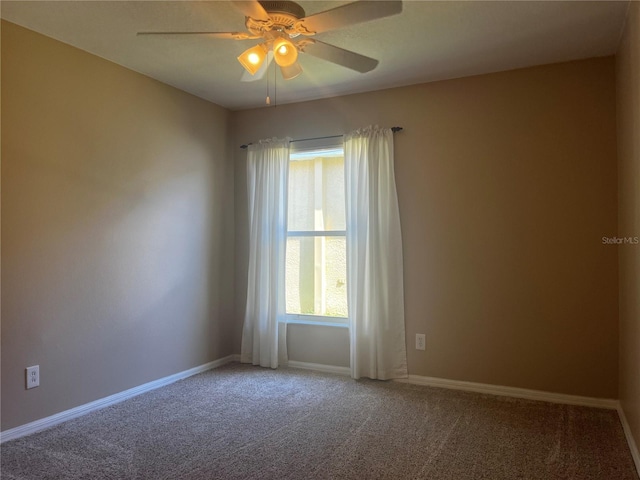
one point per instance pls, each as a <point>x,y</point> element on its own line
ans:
<point>420,341</point>
<point>33,376</point>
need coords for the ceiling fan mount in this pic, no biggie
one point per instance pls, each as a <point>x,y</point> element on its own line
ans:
<point>284,17</point>
<point>283,12</point>
<point>277,23</point>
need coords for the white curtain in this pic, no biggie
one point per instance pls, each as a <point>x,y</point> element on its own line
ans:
<point>374,257</point>
<point>263,335</point>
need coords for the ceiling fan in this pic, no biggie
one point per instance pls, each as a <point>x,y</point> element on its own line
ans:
<point>284,31</point>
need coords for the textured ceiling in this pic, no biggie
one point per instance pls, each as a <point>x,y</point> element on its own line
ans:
<point>428,41</point>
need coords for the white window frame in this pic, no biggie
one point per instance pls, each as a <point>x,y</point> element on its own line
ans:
<point>312,150</point>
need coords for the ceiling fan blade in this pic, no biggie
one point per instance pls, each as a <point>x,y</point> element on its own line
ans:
<point>252,9</point>
<point>349,14</point>
<point>247,77</point>
<point>225,35</point>
<point>334,54</point>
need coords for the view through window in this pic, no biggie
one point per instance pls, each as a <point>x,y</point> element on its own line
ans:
<point>316,266</point>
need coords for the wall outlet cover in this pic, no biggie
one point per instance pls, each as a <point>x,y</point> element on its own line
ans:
<point>33,376</point>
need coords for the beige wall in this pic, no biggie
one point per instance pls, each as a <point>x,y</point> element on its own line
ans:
<point>324,345</point>
<point>117,228</point>
<point>507,183</point>
<point>628,77</point>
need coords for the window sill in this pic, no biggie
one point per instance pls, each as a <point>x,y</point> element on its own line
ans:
<point>321,323</point>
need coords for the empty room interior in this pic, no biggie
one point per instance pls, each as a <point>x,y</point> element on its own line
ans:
<point>322,239</point>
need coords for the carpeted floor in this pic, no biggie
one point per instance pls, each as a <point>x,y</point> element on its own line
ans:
<point>243,422</point>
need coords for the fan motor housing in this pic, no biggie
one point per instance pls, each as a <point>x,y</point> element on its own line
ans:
<point>283,12</point>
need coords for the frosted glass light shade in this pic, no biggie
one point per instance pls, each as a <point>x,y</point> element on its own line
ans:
<point>285,53</point>
<point>292,71</point>
<point>252,58</point>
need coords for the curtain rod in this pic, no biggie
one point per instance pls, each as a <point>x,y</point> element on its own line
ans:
<point>393,129</point>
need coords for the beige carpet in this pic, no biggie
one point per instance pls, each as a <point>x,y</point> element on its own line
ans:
<point>242,422</point>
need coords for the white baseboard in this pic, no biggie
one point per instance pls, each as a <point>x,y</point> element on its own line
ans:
<point>511,392</point>
<point>607,403</point>
<point>318,367</point>
<point>635,453</point>
<point>48,422</point>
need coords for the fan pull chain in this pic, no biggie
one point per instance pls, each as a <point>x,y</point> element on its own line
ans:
<point>268,101</point>
<point>275,86</point>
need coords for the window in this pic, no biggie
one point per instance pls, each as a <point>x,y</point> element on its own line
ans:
<point>316,261</point>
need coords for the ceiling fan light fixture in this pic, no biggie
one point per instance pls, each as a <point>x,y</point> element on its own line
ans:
<point>292,71</point>
<point>252,58</point>
<point>285,52</point>
<point>277,22</point>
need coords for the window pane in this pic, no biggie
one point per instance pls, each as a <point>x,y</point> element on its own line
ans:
<point>316,194</point>
<point>316,276</point>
